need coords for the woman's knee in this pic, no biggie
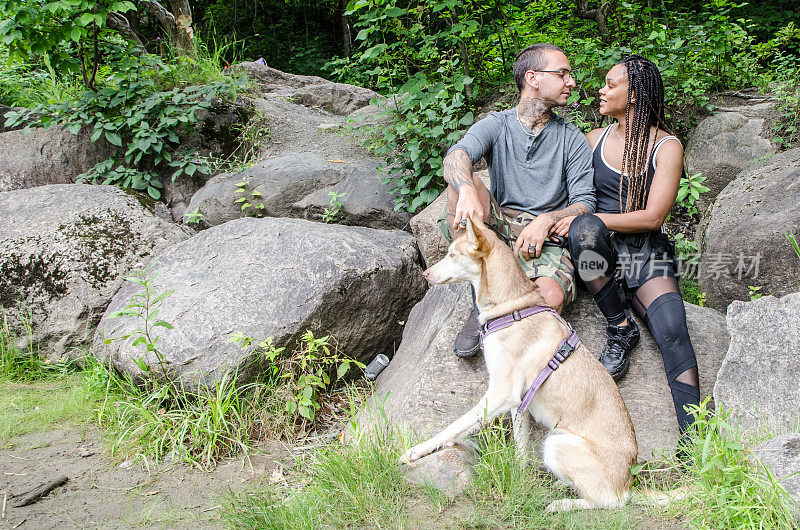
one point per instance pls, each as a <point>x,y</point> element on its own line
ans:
<point>587,231</point>
<point>666,319</point>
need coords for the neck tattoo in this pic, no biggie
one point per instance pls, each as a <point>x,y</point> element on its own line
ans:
<point>534,113</point>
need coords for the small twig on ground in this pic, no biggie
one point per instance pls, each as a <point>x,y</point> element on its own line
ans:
<point>218,506</point>
<point>5,498</point>
<point>19,524</point>
<point>37,493</point>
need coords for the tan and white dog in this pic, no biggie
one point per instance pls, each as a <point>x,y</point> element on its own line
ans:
<point>591,445</point>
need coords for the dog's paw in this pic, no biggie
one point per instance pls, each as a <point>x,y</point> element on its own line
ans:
<point>407,457</point>
<point>415,453</point>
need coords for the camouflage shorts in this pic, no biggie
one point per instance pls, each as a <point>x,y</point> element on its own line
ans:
<point>554,261</point>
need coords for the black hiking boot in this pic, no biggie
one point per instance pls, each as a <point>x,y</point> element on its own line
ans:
<point>468,340</point>
<point>620,340</point>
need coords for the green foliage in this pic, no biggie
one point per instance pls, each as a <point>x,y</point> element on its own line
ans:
<point>689,191</point>
<point>728,492</point>
<point>353,486</point>
<point>144,306</point>
<point>793,242</point>
<point>691,292</point>
<point>25,364</point>
<point>142,122</point>
<point>306,374</point>
<point>754,292</point>
<point>68,35</point>
<point>334,206</point>
<point>686,249</point>
<point>250,199</point>
<point>447,54</point>
<point>157,414</point>
<point>786,68</point>
<point>250,135</point>
<point>425,47</point>
<point>426,117</point>
<point>193,217</point>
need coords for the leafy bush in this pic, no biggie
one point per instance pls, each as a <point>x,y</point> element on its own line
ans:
<point>304,376</point>
<point>729,492</point>
<point>68,37</point>
<point>143,123</point>
<point>689,191</point>
<point>426,117</point>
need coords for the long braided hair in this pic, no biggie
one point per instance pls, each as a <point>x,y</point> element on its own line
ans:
<point>644,82</point>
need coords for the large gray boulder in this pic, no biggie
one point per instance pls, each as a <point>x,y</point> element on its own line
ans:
<point>64,250</point>
<point>746,227</point>
<point>760,377</point>
<point>271,278</point>
<point>781,455</point>
<point>299,185</point>
<point>37,157</point>
<point>723,145</point>
<point>426,386</point>
<point>336,98</point>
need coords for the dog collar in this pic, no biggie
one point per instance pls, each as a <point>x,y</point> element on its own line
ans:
<point>565,347</point>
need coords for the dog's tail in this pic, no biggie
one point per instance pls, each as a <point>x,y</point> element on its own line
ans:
<point>651,497</point>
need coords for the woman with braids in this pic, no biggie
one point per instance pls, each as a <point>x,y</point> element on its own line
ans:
<point>637,169</point>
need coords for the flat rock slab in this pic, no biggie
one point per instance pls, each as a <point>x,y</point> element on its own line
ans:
<point>271,278</point>
<point>64,250</point>
<point>336,98</point>
<point>723,145</point>
<point>426,386</point>
<point>38,157</point>
<point>782,456</point>
<point>300,185</point>
<point>744,241</point>
<point>760,377</point>
<point>449,469</point>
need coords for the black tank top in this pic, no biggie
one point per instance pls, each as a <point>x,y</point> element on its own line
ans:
<point>606,178</point>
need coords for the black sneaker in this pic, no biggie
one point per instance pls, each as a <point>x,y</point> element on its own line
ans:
<point>620,340</point>
<point>468,340</point>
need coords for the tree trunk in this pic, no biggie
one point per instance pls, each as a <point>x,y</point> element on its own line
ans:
<point>599,15</point>
<point>344,20</point>
<point>184,35</point>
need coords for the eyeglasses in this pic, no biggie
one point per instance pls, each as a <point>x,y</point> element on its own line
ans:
<point>565,75</point>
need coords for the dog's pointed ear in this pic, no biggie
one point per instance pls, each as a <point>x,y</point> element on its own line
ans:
<point>477,241</point>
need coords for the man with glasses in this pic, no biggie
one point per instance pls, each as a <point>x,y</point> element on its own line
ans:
<point>540,169</point>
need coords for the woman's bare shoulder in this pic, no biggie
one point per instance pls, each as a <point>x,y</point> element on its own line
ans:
<point>594,136</point>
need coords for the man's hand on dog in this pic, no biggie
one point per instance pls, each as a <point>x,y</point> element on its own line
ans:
<point>531,239</point>
<point>468,205</point>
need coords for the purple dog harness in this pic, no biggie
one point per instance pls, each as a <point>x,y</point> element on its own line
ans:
<point>565,348</point>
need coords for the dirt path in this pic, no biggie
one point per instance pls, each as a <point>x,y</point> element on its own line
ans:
<point>103,493</point>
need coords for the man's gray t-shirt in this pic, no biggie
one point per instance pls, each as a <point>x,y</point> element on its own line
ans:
<point>533,173</point>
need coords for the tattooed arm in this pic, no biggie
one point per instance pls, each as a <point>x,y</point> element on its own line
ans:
<point>458,170</point>
<point>458,174</point>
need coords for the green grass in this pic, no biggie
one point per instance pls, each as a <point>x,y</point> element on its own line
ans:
<point>691,292</point>
<point>726,489</point>
<point>358,485</point>
<point>361,485</point>
<point>26,407</point>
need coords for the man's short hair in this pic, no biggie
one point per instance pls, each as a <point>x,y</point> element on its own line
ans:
<point>534,57</point>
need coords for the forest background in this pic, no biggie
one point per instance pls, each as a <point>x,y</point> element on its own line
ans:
<point>138,70</point>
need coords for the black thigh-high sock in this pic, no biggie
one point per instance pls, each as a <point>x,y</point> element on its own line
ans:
<point>666,320</point>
